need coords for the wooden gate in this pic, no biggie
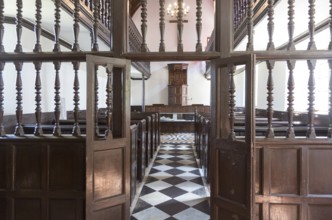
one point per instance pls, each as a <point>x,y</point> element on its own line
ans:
<point>232,157</point>
<point>108,142</point>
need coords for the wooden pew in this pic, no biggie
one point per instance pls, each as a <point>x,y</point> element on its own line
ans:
<point>133,161</point>
<point>141,147</point>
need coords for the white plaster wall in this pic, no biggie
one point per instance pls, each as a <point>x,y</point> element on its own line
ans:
<point>156,88</point>
<point>279,75</point>
<point>189,30</point>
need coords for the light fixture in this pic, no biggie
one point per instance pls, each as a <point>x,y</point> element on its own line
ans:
<point>173,9</point>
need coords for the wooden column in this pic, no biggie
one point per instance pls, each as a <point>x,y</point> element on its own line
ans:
<point>119,26</point>
<point>143,93</point>
<point>223,44</point>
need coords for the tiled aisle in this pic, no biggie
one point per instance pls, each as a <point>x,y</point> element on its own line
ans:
<point>174,188</point>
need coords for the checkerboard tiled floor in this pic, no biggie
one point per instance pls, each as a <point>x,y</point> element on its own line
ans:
<point>174,188</point>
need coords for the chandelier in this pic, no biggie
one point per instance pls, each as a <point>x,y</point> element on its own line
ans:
<point>173,9</point>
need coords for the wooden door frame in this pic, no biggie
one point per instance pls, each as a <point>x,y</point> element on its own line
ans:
<point>124,197</point>
<point>221,127</point>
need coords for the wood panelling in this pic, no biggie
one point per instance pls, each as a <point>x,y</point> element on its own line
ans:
<point>293,180</point>
<point>320,212</point>
<point>115,212</point>
<point>65,209</point>
<point>3,168</point>
<point>66,170</point>
<point>284,212</point>
<point>108,175</point>
<point>320,176</point>
<point>284,175</point>
<point>3,209</point>
<point>234,162</point>
<point>28,209</point>
<point>44,179</point>
<point>29,169</point>
<point>258,168</point>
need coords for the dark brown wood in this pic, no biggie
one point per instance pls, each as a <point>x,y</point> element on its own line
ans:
<point>179,17</point>
<point>199,25</point>
<point>2,99</point>
<point>19,100</point>
<point>250,25</point>
<point>311,25</point>
<point>38,111</point>
<point>144,25</point>
<point>57,100</point>
<point>162,25</point>
<point>19,6</point>
<point>229,200</point>
<point>231,90</point>
<point>329,134</point>
<point>270,25</point>
<point>311,98</point>
<point>38,29</point>
<point>76,111</point>
<point>76,26</point>
<point>57,16</point>
<point>270,85</point>
<point>291,25</point>
<point>95,30</point>
<point>48,182</point>
<point>109,101</point>
<point>133,161</point>
<point>2,28</point>
<point>108,158</point>
<point>96,104</point>
<point>290,99</point>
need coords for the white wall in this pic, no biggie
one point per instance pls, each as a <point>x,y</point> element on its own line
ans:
<point>189,32</point>
<point>156,88</point>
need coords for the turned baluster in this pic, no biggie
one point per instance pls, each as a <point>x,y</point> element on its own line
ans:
<point>329,134</point>
<point>231,101</point>
<point>270,25</point>
<point>311,98</point>
<point>291,25</point>
<point>57,99</point>
<point>180,25</point>
<point>290,110</point>
<point>144,25</point>
<point>106,13</point>
<point>311,66</point>
<point>109,101</point>
<point>19,100</point>
<point>162,25</point>
<point>199,25</point>
<point>270,85</point>
<point>250,26</point>
<point>109,18</point>
<point>2,28</point>
<point>38,98</point>
<point>19,17</point>
<point>95,46</point>
<point>97,134</point>
<point>57,27</point>
<point>102,10</point>
<point>91,3</point>
<point>38,29</point>
<point>2,66</point>
<point>76,26</point>
<point>76,129</point>
<point>311,25</point>
<point>2,99</point>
